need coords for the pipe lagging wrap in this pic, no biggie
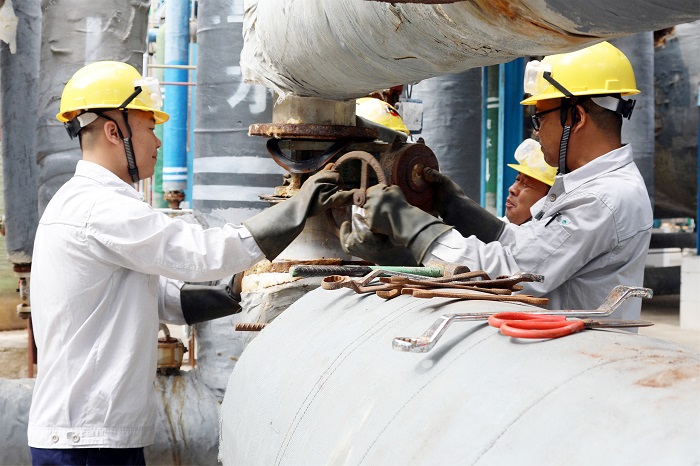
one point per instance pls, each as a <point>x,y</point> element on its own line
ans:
<point>360,46</point>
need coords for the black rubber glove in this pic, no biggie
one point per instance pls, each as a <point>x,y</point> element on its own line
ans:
<point>201,303</point>
<point>457,209</point>
<point>275,228</point>
<point>388,213</point>
<point>357,239</point>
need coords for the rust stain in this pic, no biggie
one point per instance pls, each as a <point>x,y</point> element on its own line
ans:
<point>521,18</point>
<point>668,377</point>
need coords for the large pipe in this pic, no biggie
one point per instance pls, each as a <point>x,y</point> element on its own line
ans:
<point>230,168</point>
<point>19,70</point>
<point>677,73</point>
<point>322,385</point>
<point>361,46</point>
<point>74,33</point>
<point>639,130</point>
<point>452,125</point>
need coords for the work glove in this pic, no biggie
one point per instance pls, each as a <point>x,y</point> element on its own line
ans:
<point>201,303</point>
<point>276,227</point>
<point>388,212</point>
<point>357,239</point>
<point>457,209</point>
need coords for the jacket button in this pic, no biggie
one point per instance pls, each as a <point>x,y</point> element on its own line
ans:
<point>76,438</point>
<point>54,438</point>
<point>552,197</point>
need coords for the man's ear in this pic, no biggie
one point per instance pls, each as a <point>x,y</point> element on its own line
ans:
<point>580,118</point>
<point>111,132</point>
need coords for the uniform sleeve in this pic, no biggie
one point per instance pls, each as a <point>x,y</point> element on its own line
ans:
<point>169,308</point>
<point>558,246</point>
<point>141,239</point>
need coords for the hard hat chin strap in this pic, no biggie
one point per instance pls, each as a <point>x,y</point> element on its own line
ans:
<point>128,147</point>
<point>566,133</point>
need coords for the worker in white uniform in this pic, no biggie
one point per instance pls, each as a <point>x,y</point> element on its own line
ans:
<point>592,231</point>
<point>107,268</point>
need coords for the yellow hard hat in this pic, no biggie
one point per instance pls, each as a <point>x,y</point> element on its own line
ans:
<point>600,69</point>
<point>531,162</point>
<point>380,112</point>
<point>108,85</point>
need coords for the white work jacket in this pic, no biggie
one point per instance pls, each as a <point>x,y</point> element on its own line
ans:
<point>592,234</point>
<point>97,295</point>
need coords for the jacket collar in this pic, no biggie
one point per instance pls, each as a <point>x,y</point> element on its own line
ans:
<point>101,175</point>
<point>604,164</point>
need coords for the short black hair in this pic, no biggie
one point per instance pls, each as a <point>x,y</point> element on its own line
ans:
<point>603,118</point>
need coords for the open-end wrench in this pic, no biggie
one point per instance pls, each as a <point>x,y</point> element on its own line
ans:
<point>427,341</point>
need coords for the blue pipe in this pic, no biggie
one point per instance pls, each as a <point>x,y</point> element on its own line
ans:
<point>177,33</point>
<point>510,125</point>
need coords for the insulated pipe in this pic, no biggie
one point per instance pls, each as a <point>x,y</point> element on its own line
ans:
<point>19,73</point>
<point>158,200</point>
<point>177,34</point>
<point>322,385</point>
<point>452,125</point>
<point>231,169</point>
<point>360,46</point>
<point>639,130</point>
<point>677,75</point>
<point>75,33</point>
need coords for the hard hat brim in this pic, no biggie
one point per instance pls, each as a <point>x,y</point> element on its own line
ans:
<point>525,170</point>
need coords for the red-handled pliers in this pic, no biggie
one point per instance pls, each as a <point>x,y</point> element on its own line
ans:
<point>526,325</point>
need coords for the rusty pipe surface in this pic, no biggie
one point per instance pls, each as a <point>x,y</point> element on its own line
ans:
<point>360,46</point>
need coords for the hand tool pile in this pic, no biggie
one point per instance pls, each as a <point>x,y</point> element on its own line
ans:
<point>468,285</point>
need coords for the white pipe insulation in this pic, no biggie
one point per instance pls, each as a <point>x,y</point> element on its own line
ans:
<point>343,49</point>
<point>322,385</point>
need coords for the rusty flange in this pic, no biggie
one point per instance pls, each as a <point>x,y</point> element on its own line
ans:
<point>312,131</point>
<point>404,168</point>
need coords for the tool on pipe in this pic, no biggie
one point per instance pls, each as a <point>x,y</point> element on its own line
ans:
<point>429,338</point>
<point>540,326</point>
<point>433,269</point>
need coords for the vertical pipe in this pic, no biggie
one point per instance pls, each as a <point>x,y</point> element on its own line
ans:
<point>491,162</point>
<point>190,128</point>
<point>697,215</point>
<point>452,125</point>
<point>159,59</point>
<point>230,168</point>
<point>639,130</point>
<point>175,129</point>
<point>510,125</point>
<point>19,103</point>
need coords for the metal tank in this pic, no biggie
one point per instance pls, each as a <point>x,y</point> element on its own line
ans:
<point>322,385</point>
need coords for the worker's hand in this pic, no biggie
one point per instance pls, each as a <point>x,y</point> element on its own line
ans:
<point>357,239</point>
<point>457,209</point>
<point>201,303</point>
<point>274,228</point>
<point>448,194</point>
<point>388,213</point>
<point>321,192</point>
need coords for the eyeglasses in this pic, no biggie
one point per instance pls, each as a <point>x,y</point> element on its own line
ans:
<point>535,119</point>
